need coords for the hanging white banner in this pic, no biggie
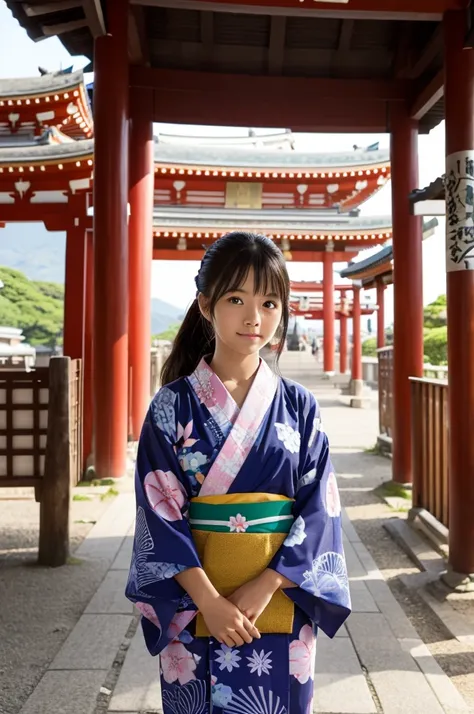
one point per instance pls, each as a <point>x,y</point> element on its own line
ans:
<point>459,211</point>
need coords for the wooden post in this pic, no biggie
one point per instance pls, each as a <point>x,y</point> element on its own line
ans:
<point>328,311</point>
<point>407,286</point>
<point>380,315</point>
<point>110,395</point>
<point>343,344</point>
<point>56,489</point>
<point>140,255</point>
<point>459,108</point>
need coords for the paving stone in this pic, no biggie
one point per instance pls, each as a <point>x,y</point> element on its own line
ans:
<point>372,572</point>
<point>446,692</point>
<point>355,568</point>
<point>399,683</point>
<point>362,600</point>
<point>389,606</point>
<point>342,694</point>
<point>342,632</point>
<point>138,687</point>
<point>110,597</point>
<point>65,693</point>
<point>335,656</point>
<point>124,556</point>
<point>107,536</point>
<point>93,643</point>
<point>349,529</point>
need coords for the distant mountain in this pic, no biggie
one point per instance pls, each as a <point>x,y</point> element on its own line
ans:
<point>40,255</point>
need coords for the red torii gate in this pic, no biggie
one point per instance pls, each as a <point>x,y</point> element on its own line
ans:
<point>246,96</point>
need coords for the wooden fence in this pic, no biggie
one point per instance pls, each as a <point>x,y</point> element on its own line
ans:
<point>41,444</point>
<point>430,446</point>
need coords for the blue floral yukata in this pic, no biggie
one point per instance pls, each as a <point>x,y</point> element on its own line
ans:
<point>197,442</point>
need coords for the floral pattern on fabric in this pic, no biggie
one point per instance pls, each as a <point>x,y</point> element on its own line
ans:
<point>148,612</point>
<point>333,502</point>
<point>228,658</point>
<point>297,533</point>
<point>221,695</point>
<point>328,578</point>
<point>260,662</point>
<point>290,437</point>
<point>187,699</point>
<point>165,494</point>
<point>163,411</point>
<point>177,664</point>
<point>303,655</point>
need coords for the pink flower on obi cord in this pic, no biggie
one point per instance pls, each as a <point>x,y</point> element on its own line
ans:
<point>302,655</point>
<point>238,524</point>
<point>177,664</point>
<point>165,494</point>
<point>148,612</point>
<point>179,622</point>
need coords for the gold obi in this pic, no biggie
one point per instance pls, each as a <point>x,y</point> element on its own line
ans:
<point>236,536</point>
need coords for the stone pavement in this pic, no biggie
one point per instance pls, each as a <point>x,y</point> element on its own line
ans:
<point>377,663</point>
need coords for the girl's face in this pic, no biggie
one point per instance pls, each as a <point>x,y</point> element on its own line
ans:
<point>243,321</point>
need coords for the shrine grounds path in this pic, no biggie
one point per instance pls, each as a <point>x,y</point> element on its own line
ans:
<point>392,657</point>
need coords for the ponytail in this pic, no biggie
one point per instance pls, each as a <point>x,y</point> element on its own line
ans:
<point>195,339</point>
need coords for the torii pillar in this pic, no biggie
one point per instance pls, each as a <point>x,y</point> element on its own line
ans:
<point>357,384</point>
<point>328,311</point>
<point>459,112</point>
<point>111,89</point>
<point>407,286</point>
<point>140,255</point>
<point>343,344</point>
<point>380,314</point>
<point>75,279</point>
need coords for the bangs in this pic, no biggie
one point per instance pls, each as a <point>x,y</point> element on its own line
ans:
<point>269,275</point>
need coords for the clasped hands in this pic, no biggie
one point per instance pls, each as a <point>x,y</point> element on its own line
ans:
<point>231,620</point>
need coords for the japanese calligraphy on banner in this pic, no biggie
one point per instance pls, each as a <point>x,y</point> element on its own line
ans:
<point>459,211</point>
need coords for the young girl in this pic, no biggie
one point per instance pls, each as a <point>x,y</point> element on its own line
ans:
<point>238,555</point>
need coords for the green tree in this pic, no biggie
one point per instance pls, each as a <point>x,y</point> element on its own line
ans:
<point>37,308</point>
<point>435,314</point>
<point>168,334</point>
<point>436,345</point>
<point>369,347</point>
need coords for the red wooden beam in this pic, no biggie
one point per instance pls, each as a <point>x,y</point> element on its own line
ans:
<point>428,97</point>
<point>365,9</point>
<point>310,104</point>
<point>307,256</point>
<point>308,287</point>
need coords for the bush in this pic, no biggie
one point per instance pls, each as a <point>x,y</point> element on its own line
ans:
<point>436,345</point>
<point>369,347</point>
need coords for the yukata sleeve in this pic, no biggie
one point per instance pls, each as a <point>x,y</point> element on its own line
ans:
<point>163,544</point>
<point>312,556</point>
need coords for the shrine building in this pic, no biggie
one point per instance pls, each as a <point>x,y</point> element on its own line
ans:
<point>309,65</point>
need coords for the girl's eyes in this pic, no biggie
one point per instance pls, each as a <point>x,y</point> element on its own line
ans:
<point>270,304</point>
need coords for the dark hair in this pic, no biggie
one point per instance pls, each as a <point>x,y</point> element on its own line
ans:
<point>224,268</point>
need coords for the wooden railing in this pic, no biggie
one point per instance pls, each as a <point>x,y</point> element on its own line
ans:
<point>385,356</point>
<point>41,444</point>
<point>430,446</point>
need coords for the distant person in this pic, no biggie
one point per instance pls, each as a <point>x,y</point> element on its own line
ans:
<point>238,544</point>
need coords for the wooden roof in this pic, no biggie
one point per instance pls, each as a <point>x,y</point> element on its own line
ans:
<point>59,99</point>
<point>394,47</point>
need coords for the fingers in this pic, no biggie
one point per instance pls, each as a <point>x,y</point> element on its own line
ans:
<point>243,632</point>
<point>227,640</point>
<point>250,628</point>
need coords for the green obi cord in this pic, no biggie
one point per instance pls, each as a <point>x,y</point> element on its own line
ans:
<point>268,517</point>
